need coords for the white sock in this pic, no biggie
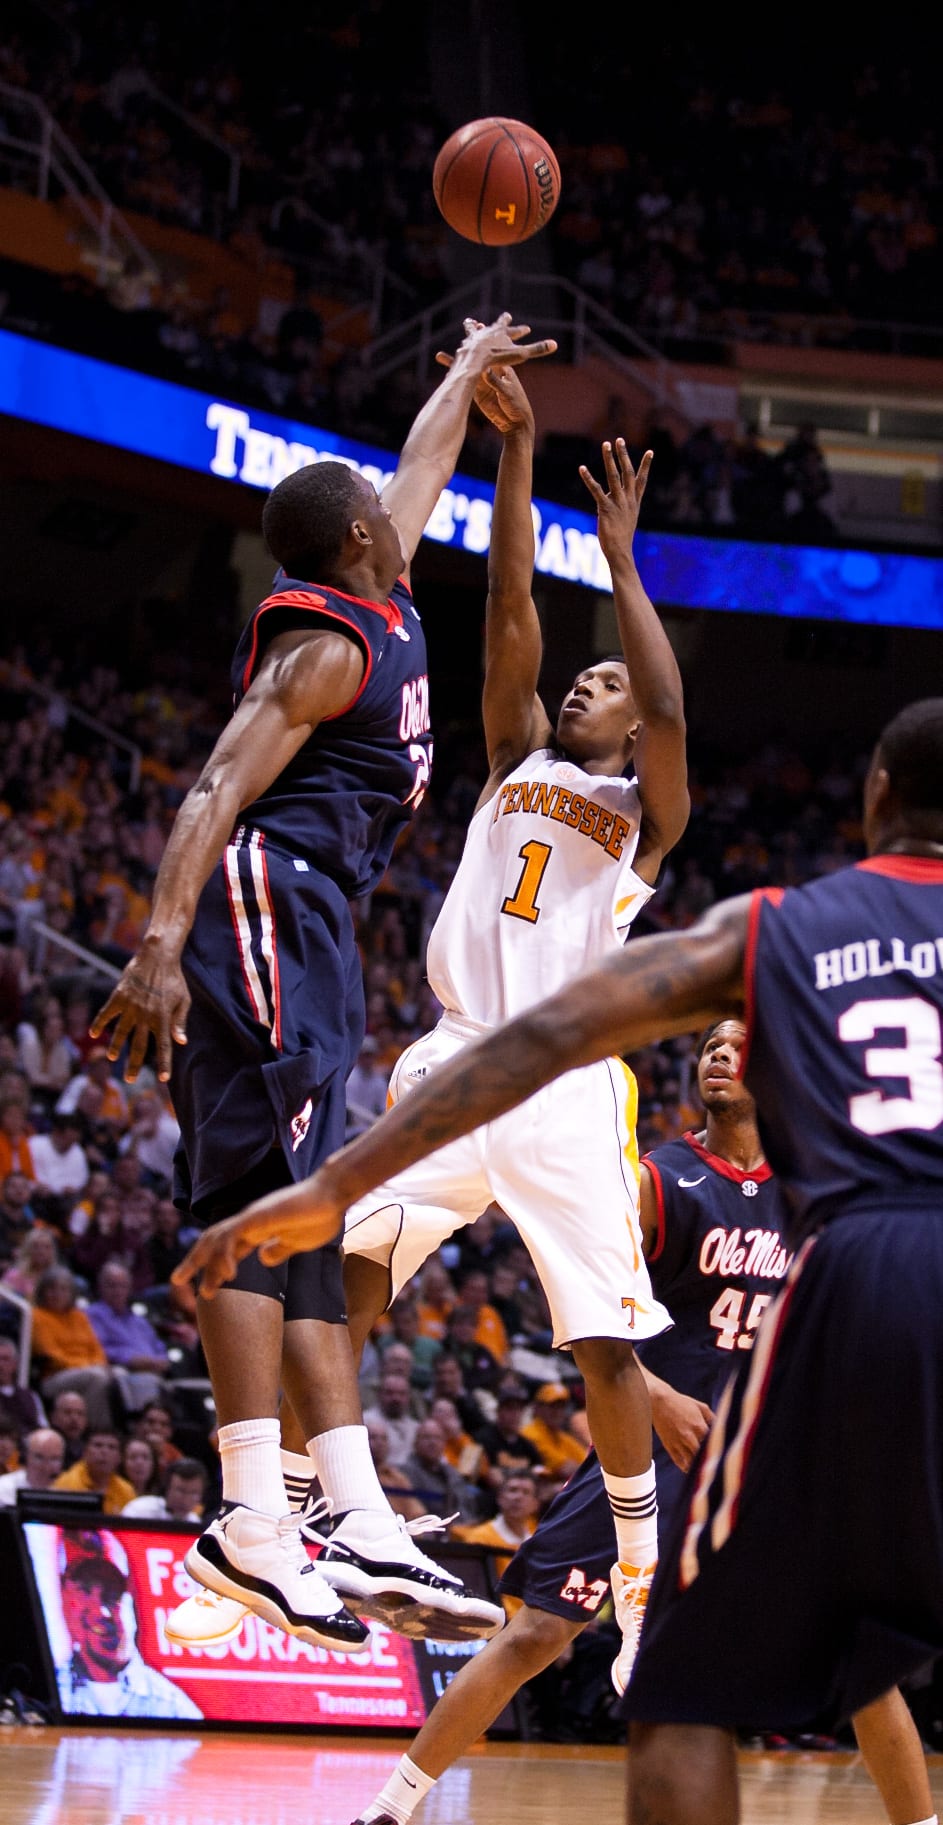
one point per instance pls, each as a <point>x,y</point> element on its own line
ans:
<point>932,1820</point>
<point>251,1463</point>
<point>346,1471</point>
<point>635,1513</point>
<point>405,1788</point>
<point>298,1472</point>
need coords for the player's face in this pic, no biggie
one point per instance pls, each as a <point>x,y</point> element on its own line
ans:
<point>93,1614</point>
<point>385,533</point>
<point>718,1083</point>
<point>598,714</point>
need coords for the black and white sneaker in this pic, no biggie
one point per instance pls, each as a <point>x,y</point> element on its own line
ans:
<point>263,1563</point>
<point>372,1561</point>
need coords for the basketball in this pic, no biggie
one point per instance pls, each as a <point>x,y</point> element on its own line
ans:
<point>496,181</point>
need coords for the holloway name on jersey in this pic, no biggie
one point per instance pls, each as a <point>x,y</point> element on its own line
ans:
<point>844,1046</point>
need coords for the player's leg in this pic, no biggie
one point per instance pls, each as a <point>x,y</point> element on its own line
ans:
<point>894,1757</point>
<point>259,1095</point>
<point>249,1553</point>
<point>682,1774</point>
<point>560,1578</point>
<point>369,1556</point>
<point>774,1526</point>
<point>618,1411</point>
<point>565,1170</point>
<point>368,1289</point>
<point>205,1619</point>
<point>390,1234</point>
<point>477,1695</point>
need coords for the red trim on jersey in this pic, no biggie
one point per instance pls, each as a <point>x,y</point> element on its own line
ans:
<point>774,895</point>
<point>317,605</point>
<point>723,1167</point>
<point>276,994</point>
<point>922,869</point>
<point>660,1201</point>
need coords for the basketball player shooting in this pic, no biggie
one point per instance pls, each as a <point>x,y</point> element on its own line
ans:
<point>564,849</point>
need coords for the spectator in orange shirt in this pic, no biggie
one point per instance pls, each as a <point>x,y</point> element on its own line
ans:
<point>561,1450</point>
<point>15,1131</point>
<point>436,1299</point>
<point>97,1469</point>
<point>66,1351</point>
<point>489,1328</point>
<point>460,1450</point>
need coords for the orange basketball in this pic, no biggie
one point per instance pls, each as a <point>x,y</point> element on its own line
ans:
<point>496,181</point>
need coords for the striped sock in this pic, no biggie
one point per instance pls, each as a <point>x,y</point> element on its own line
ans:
<point>635,1513</point>
<point>298,1472</point>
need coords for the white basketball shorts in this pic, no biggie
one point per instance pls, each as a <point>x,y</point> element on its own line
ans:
<point>563,1167</point>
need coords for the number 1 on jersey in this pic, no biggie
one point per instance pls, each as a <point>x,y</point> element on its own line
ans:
<point>522,903</point>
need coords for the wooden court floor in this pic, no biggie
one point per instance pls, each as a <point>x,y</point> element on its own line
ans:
<point>91,1777</point>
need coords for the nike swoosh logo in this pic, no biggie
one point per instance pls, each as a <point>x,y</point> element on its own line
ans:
<point>690,1183</point>
<point>409,1783</point>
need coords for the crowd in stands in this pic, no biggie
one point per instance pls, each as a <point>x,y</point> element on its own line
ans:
<point>798,205</point>
<point>714,196</point>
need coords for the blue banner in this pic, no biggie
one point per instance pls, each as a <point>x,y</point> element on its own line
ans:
<point>155,418</point>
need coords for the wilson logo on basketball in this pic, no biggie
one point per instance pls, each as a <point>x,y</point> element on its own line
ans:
<point>547,189</point>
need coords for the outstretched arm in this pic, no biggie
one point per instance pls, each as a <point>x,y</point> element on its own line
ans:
<point>680,1421</point>
<point>660,758</point>
<point>655,987</point>
<point>303,677</point>
<point>432,447</point>
<point>514,718</point>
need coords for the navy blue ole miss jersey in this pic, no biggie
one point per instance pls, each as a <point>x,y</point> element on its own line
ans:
<point>341,801</point>
<point>844,1048</point>
<point>717,1260</point>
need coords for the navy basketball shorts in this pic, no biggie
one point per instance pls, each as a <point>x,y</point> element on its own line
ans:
<point>275,1024</point>
<point>565,1566</point>
<point>802,1576</point>
<point>306,1286</point>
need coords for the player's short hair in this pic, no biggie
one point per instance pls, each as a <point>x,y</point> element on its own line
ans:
<point>709,1032</point>
<point>911,750</point>
<point>306,517</point>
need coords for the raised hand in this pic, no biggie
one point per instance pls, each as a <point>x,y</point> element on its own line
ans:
<point>497,344</point>
<point>617,505</point>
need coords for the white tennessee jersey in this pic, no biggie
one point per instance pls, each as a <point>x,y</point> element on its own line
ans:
<point>544,890</point>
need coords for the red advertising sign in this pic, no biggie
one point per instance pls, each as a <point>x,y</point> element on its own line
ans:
<point>105,1594</point>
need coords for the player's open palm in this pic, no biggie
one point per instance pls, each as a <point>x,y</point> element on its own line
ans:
<point>618,503</point>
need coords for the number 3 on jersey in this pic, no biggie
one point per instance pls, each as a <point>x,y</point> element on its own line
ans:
<point>522,903</point>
